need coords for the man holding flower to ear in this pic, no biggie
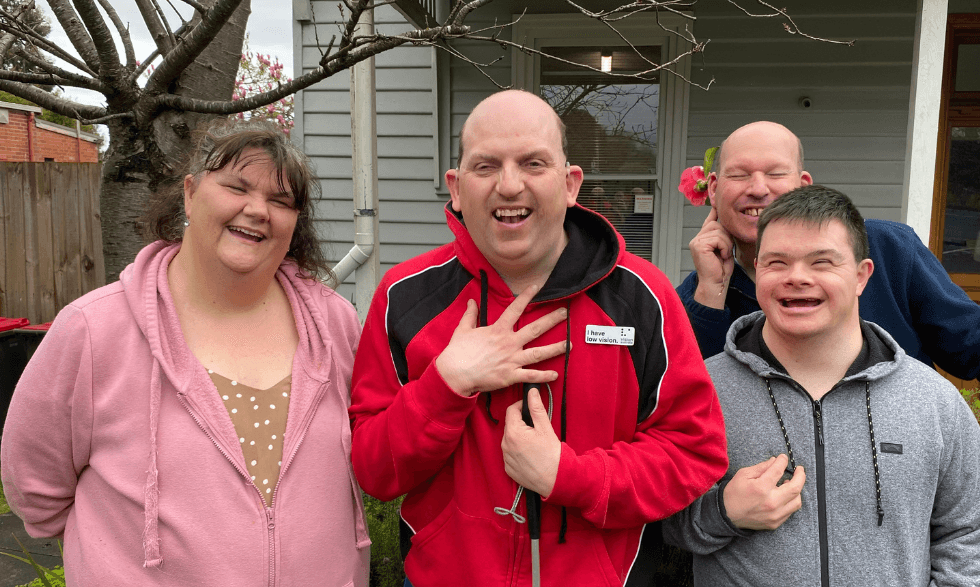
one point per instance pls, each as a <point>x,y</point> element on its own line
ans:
<point>910,294</point>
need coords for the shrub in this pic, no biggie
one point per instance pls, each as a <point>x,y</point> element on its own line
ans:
<point>386,557</point>
<point>972,397</point>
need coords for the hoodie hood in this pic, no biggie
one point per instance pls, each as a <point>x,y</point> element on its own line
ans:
<point>594,248</point>
<point>148,295</point>
<point>883,358</point>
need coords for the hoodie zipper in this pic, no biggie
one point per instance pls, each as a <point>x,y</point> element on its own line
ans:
<point>268,510</point>
<point>821,494</point>
<point>272,545</point>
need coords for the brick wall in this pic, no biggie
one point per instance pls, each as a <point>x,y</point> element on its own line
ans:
<point>48,144</point>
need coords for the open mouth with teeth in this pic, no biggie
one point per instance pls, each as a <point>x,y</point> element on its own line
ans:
<point>754,212</point>
<point>800,303</point>
<point>246,234</point>
<point>511,216</point>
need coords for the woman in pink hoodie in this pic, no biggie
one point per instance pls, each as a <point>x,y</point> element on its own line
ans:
<point>187,425</point>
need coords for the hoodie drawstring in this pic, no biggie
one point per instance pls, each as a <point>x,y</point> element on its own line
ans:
<point>874,453</point>
<point>484,294</point>
<point>151,491</point>
<point>564,407</point>
<point>871,430</point>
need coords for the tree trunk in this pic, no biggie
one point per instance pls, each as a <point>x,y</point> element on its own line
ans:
<point>145,153</point>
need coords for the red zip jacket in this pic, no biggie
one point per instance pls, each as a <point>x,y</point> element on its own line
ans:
<point>641,428</point>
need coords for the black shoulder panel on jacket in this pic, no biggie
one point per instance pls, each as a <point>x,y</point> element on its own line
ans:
<point>627,300</point>
<point>415,301</point>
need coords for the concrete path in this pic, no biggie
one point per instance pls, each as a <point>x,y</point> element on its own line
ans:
<point>44,550</point>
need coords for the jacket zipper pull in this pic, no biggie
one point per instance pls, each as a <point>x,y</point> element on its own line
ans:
<point>269,515</point>
<point>819,420</point>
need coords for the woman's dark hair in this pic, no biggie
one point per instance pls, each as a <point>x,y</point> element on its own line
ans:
<point>223,143</point>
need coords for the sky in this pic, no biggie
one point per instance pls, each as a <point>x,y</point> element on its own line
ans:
<point>269,28</point>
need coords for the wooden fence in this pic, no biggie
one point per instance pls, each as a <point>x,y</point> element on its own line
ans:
<point>50,237</point>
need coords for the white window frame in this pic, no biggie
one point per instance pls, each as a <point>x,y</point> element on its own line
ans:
<point>666,30</point>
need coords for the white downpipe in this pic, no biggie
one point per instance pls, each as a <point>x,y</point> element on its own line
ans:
<point>363,257</point>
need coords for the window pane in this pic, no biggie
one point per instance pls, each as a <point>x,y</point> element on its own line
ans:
<point>961,230</point>
<point>967,68</point>
<point>611,124</point>
<point>628,205</point>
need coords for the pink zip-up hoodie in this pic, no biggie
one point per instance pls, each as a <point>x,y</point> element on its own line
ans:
<point>117,440</point>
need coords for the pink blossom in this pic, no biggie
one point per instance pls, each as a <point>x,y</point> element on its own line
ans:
<point>694,185</point>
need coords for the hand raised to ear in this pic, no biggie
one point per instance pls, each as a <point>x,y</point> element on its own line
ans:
<point>712,250</point>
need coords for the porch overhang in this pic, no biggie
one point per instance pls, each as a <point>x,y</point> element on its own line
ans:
<point>421,13</point>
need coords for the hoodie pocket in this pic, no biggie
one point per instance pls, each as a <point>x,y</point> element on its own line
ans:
<point>453,546</point>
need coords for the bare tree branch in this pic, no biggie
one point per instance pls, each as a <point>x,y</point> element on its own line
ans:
<point>7,39</point>
<point>159,32</point>
<point>110,69</point>
<point>153,55</point>
<point>41,43</point>
<point>77,34</point>
<point>790,26</point>
<point>190,46</point>
<point>329,65</point>
<point>53,103</point>
<point>199,8</point>
<point>123,31</point>
<point>62,77</point>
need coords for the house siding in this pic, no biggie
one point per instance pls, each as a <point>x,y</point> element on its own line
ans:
<point>854,135</point>
<point>410,211</point>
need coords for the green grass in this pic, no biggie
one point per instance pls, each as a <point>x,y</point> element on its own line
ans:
<point>4,508</point>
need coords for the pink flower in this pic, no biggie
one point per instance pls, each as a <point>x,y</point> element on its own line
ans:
<point>694,185</point>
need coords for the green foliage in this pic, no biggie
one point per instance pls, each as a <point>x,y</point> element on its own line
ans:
<point>972,397</point>
<point>45,577</point>
<point>55,578</point>
<point>46,114</point>
<point>4,508</point>
<point>386,558</point>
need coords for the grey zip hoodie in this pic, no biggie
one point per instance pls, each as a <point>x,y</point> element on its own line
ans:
<point>923,528</point>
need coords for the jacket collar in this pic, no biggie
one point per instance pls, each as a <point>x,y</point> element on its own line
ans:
<point>879,355</point>
<point>594,248</point>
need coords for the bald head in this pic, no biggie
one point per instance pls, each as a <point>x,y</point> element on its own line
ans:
<point>513,101</point>
<point>763,130</point>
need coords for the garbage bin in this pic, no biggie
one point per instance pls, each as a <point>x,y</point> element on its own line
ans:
<point>16,348</point>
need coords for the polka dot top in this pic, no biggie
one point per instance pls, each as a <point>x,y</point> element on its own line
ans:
<point>259,417</point>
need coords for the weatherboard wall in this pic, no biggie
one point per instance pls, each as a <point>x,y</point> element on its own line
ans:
<point>854,133</point>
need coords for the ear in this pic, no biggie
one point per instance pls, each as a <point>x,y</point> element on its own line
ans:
<point>190,186</point>
<point>573,182</point>
<point>805,179</point>
<point>864,270</point>
<point>452,182</point>
<point>712,186</point>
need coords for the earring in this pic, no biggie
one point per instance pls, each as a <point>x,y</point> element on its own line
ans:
<point>187,223</point>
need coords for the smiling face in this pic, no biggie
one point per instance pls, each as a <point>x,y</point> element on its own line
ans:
<point>760,162</point>
<point>808,281</point>
<point>240,216</point>
<point>513,185</point>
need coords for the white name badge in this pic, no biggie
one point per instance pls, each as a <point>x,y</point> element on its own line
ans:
<point>620,335</point>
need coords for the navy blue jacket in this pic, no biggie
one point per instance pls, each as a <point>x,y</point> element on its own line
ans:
<point>909,294</point>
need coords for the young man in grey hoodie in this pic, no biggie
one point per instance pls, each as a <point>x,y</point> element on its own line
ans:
<point>891,452</point>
